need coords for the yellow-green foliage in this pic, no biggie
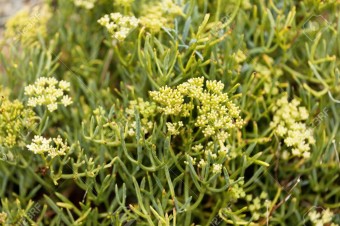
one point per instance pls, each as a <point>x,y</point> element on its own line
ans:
<point>27,25</point>
<point>171,112</point>
<point>15,122</point>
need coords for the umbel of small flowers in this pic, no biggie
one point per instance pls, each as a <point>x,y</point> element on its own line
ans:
<point>323,218</point>
<point>49,92</point>
<point>118,26</point>
<point>28,24</point>
<point>156,15</point>
<point>15,120</point>
<point>258,206</point>
<point>87,4</point>
<point>217,115</point>
<point>147,111</point>
<point>41,145</point>
<point>288,123</point>
<point>208,109</point>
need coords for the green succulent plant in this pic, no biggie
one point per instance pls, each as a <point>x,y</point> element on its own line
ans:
<point>171,112</point>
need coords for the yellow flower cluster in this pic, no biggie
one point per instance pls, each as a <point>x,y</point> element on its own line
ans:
<point>3,217</point>
<point>41,145</point>
<point>266,75</point>
<point>49,92</point>
<point>173,128</point>
<point>87,4</point>
<point>171,101</point>
<point>217,168</point>
<point>239,56</point>
<point>323,218</point>
<point>118,26</point>
<point>15,119</point>
<point>236,189</point>
<point>146,110</point>
<point>216,114</point>
<point>159,14</point>
<point>288,124</point>
<point>259,206</point>
<point>209,110</point>
<point>217,153</point>
<point>171,7</point>
<point>26,25</point>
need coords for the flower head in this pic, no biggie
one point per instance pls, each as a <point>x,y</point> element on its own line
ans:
<point>27,25</point>
<point>159,14</point>
<point>321,218</point>
<point>173,128</point>
<point>118,26</point>
<point>217,168</point>
<point>15,119</point>
<point>41,145</point>
<point>216,113</point>
<point>258,206</point>
<point>87,4</point>
<point>146,111</point>
<point>288,124</point>
<point>49,92</point>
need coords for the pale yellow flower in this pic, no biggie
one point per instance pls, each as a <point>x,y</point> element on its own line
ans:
<point>49,92</point>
